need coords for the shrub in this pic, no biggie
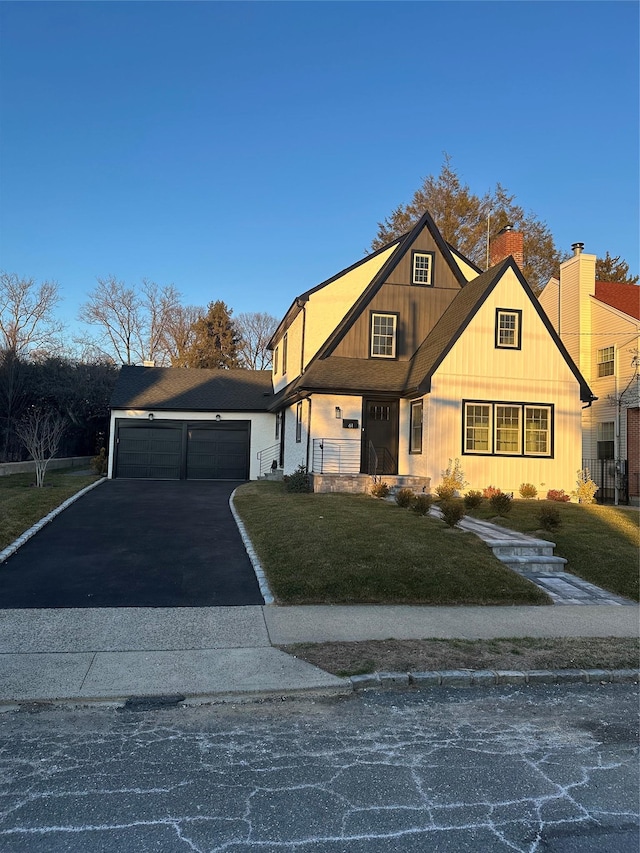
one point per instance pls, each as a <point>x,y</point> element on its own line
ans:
<point>422,504</point>
<point>472,499</point>
<point>490,491</point>
<point>558,495</point>
<point>404,498</point>
<point>299,481</point>
<point>585,487</point>
<point>452,511</point>
<point>528,491</point>
<point>452,480</point>
<point>100,463</point>
<point>501,503</point>
<point>549,517</point>
<point>380,490</point>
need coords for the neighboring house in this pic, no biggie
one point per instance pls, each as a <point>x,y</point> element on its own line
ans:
<point>172,423</point>
<point>599,323</point>
<point>412,357</point>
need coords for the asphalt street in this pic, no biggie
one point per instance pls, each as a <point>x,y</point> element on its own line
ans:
<point>533,769</point>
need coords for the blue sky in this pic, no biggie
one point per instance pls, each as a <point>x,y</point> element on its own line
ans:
<point>245,151</point>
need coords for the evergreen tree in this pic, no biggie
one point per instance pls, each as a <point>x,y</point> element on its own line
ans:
<point>614,269</point>
<point>214,341</point>
<point>462,217</point>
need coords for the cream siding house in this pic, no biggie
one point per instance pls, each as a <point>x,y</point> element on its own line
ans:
<point>599,323</point>
<point>421,360</point>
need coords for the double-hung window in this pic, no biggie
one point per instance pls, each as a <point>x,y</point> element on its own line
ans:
<point>606,440</point>
<point>299,422</point>
<point>422,268</point>
<point>415,429</point>
<point>508,328</point>
<point>284,354</point>
<point>507,429</point>
<point>383,335</point>
<point>606,361</point>
<point>275,361</point>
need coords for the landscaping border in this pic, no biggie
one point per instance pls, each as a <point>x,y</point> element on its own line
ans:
<point>263,583</point>
<point>492,678</point>
<point>17,543</point>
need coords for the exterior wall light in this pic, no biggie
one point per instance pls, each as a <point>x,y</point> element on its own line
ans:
<point>150,416</point>
<point>338,412</point>
<point>218,418</point>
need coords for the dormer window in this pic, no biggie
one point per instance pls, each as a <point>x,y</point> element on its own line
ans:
<point>383,335</point>
<point>422,268</point>
<point>508,328</point>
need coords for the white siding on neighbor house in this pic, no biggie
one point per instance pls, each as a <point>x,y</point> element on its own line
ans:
<point>548,299</point>
<point>577,285</point>
<point>261,437</point>
<point>475,370</point>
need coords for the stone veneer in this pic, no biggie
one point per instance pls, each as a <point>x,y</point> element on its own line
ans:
<point>361,483</point>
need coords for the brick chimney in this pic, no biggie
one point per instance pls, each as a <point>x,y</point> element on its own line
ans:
<point>507,242</point>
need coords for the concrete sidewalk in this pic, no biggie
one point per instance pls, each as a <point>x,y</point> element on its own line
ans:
<point>227,653</point>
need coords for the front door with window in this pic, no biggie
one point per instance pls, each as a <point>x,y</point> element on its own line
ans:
<point>380,437</point>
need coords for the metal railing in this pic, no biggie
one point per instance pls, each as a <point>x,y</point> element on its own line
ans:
<point>609,475</point>
<point>267,457</point>
<point>336,456</point>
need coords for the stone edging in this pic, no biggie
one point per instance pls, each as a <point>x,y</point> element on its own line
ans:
<point>253,557</point>
<point>491,678</point>
<point>11,549</point>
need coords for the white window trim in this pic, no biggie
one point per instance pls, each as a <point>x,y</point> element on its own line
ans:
<point>506,312</point>
<point>601,361</point>
<point>415,272</point>
<point>522,429</point>
<point>394,334</point>
<point>473,451</point>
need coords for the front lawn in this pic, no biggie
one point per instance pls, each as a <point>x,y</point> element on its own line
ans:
<point>353,549</point>
<point>22,504</point>
<point>600,542</point>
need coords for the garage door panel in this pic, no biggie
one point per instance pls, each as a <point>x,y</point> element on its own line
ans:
<point>149,453</point>
<point>217,454</point>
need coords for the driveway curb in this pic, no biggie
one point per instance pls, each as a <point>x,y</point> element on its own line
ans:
<point>11,549</point>
<point>263,583</point>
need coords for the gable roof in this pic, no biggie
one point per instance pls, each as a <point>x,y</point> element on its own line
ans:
<point>623,297</point>
<point>192,389</point>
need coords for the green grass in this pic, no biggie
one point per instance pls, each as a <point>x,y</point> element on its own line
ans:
<point>600,542</point>
<point>334,548</point>
<point>22,504</point>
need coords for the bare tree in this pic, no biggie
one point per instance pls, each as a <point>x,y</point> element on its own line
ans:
<point>256,330</point>
<point>178,333</point>
<point>40,430</point>
<point>26,314</point>
<point>131,324</point>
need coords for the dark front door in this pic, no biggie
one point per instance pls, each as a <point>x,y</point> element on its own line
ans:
<point>380,435</point>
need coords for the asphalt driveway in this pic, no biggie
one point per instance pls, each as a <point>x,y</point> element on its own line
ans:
<point>135,543</point>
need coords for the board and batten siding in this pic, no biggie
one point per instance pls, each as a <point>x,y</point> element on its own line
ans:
<point>537,373</point>
<point>442,274</point>
<point>261,433</point>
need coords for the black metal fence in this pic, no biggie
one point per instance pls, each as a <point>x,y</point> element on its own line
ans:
<point>609,474</point>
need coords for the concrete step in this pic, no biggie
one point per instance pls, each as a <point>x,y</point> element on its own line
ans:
<point>534,564</point>
<point>522,550</point>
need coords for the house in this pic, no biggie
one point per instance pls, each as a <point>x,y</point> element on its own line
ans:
<point>411,357</point>
<point>408,358</point>
<point>172,423</point>
<point>599,323</point>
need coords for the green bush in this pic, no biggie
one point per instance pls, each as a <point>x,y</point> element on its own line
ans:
<point>444,492</point>
<point>549,517</point>
<point>100,463</point>
<point>528,491</point>
<point>501,503</point>
<point>422,504</point>
<point>380,490</point>
<point>452,511</point>
<point>299,481</point>
<point>404,498</point>
<point>472,499</point>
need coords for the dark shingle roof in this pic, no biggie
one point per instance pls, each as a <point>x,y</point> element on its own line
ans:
<point>192,389</point>
<point>355,374</point>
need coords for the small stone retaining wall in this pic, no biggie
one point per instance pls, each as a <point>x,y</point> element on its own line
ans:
<point>361,483</point>
<point>29,467</point>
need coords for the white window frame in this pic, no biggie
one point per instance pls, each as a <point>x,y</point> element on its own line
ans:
<point>515,333</point>
<point>528,427</point>
<point>421,272</point>
<point>299,422</point>
<point>470,430</point>
<point>416,426</point>
<point>606,361</point>
<point>379,337</point>
<point>531,431</point>
<point>506,430</point>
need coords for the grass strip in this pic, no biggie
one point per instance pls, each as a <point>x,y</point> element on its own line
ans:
<point>519,653</point>
<point>353,549</point>
<point>22,504</point>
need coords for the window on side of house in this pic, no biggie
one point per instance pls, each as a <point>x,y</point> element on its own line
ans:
<point>299,422</point>
<point>508,429</point>
<point>415,428</point>
<point>508,328</point>
<point>275,361</point>
<point>284,353</point>
<point>606,361</point>
<point>278,424</point>
<point>606,440</point>
<point>422,268</point>
<point>383,335</point>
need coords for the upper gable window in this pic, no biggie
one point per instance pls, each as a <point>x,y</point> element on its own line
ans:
<point>422,268</point>
<point>383,335</point>
<point>606,361</point>
<point>508,329</point>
